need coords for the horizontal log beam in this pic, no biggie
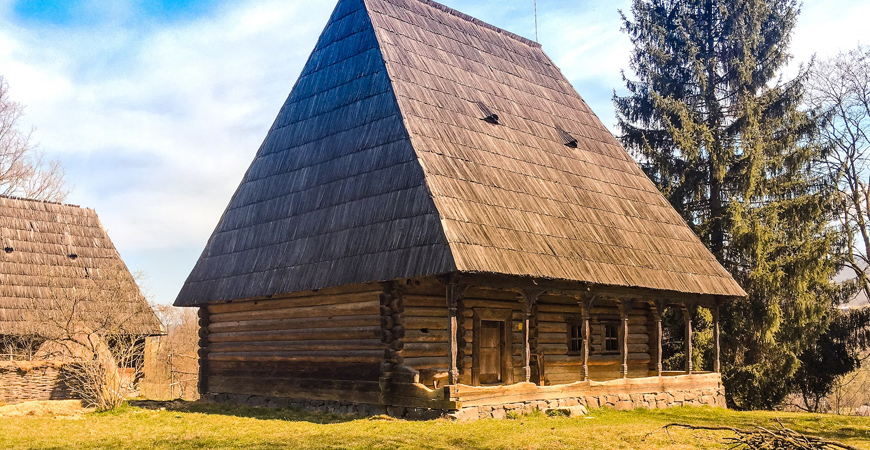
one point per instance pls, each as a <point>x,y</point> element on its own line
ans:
<point>342,309</point>
<point>578,289</point>
<point>304,334</point>
<point>356,356</point>
<point>322,345</point>
<point>336,390</point>
<point>312,299</point>
<point>302,322</point>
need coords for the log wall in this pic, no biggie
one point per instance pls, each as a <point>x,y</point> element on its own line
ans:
<point>553,314</point>
<point>325,345</point>
<point>426,330</point>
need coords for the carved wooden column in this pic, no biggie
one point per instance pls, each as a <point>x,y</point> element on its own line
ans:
<point>585,308</point>
<point>454,298</point>
<point>715,311</point>
<point>687,316</point>
<point>658,308</point>
<point>530,297</point>
<point>624,308</point>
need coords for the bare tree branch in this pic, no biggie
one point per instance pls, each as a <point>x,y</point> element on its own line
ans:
<point>840,88</point>
<point>765,438</point>
<point>95,325</point>
<point>24,172</point>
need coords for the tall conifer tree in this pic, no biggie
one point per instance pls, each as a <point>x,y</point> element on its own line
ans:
<point>727,144</point>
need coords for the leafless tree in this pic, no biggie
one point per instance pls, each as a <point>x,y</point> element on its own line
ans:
<point>24,172</point>
<point>97,324</point>
<point>840,88</point>
<point>852,390</point>
<point>176,356</point>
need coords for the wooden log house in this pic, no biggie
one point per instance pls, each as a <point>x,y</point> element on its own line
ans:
<point>437,223</point>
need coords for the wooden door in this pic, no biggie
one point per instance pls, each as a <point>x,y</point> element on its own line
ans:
<point>491,345</point>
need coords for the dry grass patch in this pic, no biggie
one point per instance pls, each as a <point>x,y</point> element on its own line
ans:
<point>51,408</point>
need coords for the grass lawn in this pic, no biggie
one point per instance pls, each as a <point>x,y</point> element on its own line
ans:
<point>198,426</point>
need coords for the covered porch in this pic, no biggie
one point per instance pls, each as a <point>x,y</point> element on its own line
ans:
<point>534,355</point>
<point>519,342</point>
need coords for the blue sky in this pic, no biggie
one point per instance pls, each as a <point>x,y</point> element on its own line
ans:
<point>156,108</point>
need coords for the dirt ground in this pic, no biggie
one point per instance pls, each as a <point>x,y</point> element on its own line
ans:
<point>49,408</point>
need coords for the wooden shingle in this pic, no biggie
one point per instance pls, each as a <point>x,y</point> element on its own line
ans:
<point>50,247</point>
<point>379,167</point>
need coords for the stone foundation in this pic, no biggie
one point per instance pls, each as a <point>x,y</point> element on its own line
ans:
<point>578,403</point>
<point>32,380</point>
<point>572,406</point>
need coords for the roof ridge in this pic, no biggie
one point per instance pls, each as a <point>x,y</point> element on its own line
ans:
<point>51,202</point>
<point>479,22</point>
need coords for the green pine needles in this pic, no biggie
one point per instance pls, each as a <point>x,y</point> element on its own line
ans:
<point>727,143</point>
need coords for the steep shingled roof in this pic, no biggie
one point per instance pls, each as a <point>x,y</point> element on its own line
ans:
<point>379,166</point>
<point>47,250</point>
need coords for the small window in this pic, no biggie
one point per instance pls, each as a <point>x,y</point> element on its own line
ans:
<point>611,338</point>
<point>575,338</point>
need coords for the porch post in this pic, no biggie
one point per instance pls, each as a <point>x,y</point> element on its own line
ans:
<point>585,308</point>
<point>687,316</point>
<point>624,308</point>
<point>715,311</point>
<point>454,296</point>
<point>530,297</point>
<point>658,308</point>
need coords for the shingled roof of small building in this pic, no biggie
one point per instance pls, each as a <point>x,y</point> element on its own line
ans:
<point>381,165</point>
<point>50,248</point>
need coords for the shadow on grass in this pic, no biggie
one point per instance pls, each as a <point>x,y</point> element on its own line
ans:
<point>261,413</point>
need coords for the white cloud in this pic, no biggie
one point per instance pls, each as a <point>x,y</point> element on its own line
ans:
<point>156,122</point>
<point>157,125</point>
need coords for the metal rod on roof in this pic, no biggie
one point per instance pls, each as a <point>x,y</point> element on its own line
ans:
<point>536,20</point>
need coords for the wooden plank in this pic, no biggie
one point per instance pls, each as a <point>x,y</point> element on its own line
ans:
<point>596,360</point>
<point>357,356</point>
<point>430,323</point>
<point>327,345</point>
<point>425,301</point>
<point>294,302</point>
<point>610,313</point>
<point>581,289</point>
<point>417,311</point>
<point>304,334</point>
<point>416,350</point>
<point>297,369</point>
<point>514,305</point>
<point>433,362</point>
<point>303,322</point>
<point>335,390</point>
<point>417,335</point>
<point>553,338</point>
<point>638,338</point>
<point>342,309</point>
<point>549,308</point>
